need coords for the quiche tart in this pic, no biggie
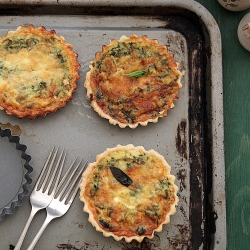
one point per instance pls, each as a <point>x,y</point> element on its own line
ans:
<point>38,72</point>
<point>129,193</point>
<point>132,81</point>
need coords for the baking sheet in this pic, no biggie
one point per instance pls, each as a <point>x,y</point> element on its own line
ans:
<point>190,137</point>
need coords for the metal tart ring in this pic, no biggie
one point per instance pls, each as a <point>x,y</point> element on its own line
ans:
<point>23,191</point>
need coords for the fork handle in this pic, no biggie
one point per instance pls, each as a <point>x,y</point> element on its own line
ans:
<point>38,235</point>
<point>20,241</point>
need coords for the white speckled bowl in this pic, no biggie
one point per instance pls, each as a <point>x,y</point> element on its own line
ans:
<point>244,31</point>
<point>235,5</point>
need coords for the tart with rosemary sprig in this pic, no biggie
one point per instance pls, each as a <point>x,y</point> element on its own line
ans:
<point>38,72</point>
<point>129,193</point>
<point>132,81</point>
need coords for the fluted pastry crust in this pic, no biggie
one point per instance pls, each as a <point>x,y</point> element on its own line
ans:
<point>133,211</point>
<point>132,81</point>
<point>38,72</point>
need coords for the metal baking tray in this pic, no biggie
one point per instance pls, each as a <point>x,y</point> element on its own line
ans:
<point>190,137</point>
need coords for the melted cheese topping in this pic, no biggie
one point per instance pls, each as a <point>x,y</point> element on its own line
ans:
<point>127,100</point>
<point>38,72</point>
<point>136,210</point>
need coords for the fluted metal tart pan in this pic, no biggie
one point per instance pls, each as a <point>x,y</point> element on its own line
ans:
<point>15,172</point>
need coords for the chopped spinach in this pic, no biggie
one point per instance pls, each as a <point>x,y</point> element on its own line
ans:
<point>128,116</point>
<point>141,230</point>
<point>42,85</point>
<point>95,184</point>
<point>58,53</point>
<point>1,67</point>
<point>140,159</point>
<point>16,43</point>
<point>105,224</point>
<point>99,95</point>
<point>153,212</point>
<point>120,50</point>
<point>39,87</point>
<point>163,187</point>
<point>31,42</point>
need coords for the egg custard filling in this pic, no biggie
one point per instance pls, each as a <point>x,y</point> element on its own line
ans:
<point>38,72</point>
<point>129,192</point>
<point>133,81</point>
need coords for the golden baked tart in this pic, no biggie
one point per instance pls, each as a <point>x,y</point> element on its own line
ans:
<point>134,80</point>
<point>129,192</point>
<point>38,72</point>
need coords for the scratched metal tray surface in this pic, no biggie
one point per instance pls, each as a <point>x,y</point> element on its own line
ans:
<point>190,137</point>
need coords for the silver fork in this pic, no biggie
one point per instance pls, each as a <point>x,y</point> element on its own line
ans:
<point>65,194</point>
<point>45,188</point>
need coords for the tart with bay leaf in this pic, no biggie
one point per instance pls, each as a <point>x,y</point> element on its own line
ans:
<point>134,80</point>
<point>38,72</point>
<point>129,192</point>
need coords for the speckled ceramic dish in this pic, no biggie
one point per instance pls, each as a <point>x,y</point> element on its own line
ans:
<point>15,172</point>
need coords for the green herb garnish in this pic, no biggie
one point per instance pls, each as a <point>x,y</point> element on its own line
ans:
<point>137,73</point>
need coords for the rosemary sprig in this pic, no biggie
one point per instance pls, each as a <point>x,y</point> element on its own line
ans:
<point>137,73</point>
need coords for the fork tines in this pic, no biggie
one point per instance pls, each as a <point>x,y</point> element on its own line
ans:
<point>64,196</point>
<point>69,185</point>
<point>49,172</point>
<point>45,188</point>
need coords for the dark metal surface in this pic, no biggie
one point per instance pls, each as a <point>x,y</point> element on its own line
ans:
<point>198,47</point>
<point>193,135</point>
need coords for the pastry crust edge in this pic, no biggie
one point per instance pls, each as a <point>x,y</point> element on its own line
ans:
<point>108,117</point>
<point>76,67</point>
<point>87,209</point>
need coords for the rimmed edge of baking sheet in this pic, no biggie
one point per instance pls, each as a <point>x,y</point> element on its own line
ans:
<point>218,199</point>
